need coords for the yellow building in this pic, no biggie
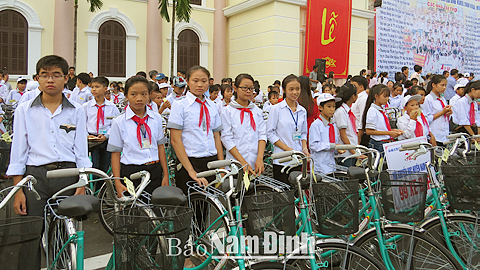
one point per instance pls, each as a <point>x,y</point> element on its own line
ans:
<point>262,37</point>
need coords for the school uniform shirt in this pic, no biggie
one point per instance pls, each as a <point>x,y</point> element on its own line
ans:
<point>461,112</point>
<point>241,134</point>
<point>283,125</point>
<point>152,106</point>
<point>4,91</point>
<point>359,107</point>
<point>172,97</point>
<point>409,126</point>
<point>91,111</point>
<point>42,137</point>
<point>266,106</point>
<point>342,120</point>
<point>29,95</point>
<point>376,121</point>
<point>440,127</point>
<point>259,97</point>
<point>197,139</point>
<point>321,149</point>
<point>221,105</point>
<point>31,85</point>
<point>81,95</point>
<point>454,100</point>
<point>14,96</point>
<point>67,92</point>
<point>394,102</point>
<point>123,138</point>
<point>117,98</point>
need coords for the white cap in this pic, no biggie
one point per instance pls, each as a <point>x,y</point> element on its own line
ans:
<point>462,82</point>
<point>21,79</point>
<point>326,97</point>
<point>466,75</point>
<point>408,98</point>
<point>163,85</point>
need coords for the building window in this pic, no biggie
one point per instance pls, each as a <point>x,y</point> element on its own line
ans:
<point>196,2</point>
<point>188,50</point>
<point>111,50</point>
<point>13,42</point>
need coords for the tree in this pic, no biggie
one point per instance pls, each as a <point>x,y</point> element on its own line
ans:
<point>182,10</point>
<point>94,5</point>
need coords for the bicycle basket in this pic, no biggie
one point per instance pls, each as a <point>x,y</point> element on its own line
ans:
<point>4,156</point>
<point>272,212</point>
<point>403,195</point>
<point>151,237</point>
<point>336,205</point>
<point>19,239</point>
<point>462,182</point>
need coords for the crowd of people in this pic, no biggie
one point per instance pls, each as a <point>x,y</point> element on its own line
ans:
<point>55,121</point>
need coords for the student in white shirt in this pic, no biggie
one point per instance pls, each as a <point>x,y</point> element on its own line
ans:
<point>136,139</point>
<point>50,133</point>
<point>459,93</point>
<point>413,123</point>
<point>414,90</point>
<point>195,127</point>
<point>214,90</point>
<point>99,112</point>
<point>227,93</point>
<point>116,96</point>
<point>375,120</point>
<point>179,85</point>
<point>358,107</point>
<point>243,128</point>
<point>153,95</point>
<point>436,109</point>
<point>272,100</point>
<point>287,125</point>
<point>16,94</point>
<point>82,93</point>
<point>466,109</point>
<point>345,120</point>
<point>323,135</point>
<point>395,96</point>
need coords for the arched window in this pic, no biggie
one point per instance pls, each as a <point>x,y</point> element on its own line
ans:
<point>196,2</point>
<point>13,42</point>
<point>188,50</point>
<point>111,50</point>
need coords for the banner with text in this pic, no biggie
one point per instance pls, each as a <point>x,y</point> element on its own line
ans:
<point>328,35</point>
<point>435,34</point>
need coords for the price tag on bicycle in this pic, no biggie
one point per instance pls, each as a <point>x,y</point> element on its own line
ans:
<point>446,155</point>
<point>246,180</point>
<point>6,137</point>
<point>477,145</point>
<point>130,186</point>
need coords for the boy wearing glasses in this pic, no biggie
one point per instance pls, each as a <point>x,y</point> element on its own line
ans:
<point>50,133</point>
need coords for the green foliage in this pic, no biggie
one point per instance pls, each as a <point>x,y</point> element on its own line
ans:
<point>95,5</point>
<point>183,10</point>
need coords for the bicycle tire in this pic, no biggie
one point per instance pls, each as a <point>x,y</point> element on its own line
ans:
<point>356,258</point>
<point>461,242</point>
<point>427,253</point>
<point>108,206</point>
<point>205,211</point>
<point>59,231</point>
<point>271,266</point>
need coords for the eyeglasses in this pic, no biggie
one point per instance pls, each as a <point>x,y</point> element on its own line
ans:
<point>54,77</point>
<point>246,89</point>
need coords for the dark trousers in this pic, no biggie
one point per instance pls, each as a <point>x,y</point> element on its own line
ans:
<point>378,145</point>
<point>462,129</point>
<point>199,165</point>
<point>155,170</point>
<point>46,188</point>
<point>100,159</point>
<point>283,177</point>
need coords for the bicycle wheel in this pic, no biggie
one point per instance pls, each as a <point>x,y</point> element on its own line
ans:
<point>206,211</point>
<point>339,256</point>
<point>272,266</point>
<point>464,236</point>
<point>107,209</point>
<point>59,232</point>
<point>426,253</point>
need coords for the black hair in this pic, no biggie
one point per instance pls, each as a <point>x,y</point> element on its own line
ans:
<point>101,80</point>
<point>305,99</point>
<point>272,94</point>
<point>349,77</point>
<point>445,72</point>
<point>399,77</point>
<point>287,79</point>
<point>152,74</point>
<point>71,68</point>
<point>360,80</point>
<point>242,76</point>
<point>396,85</point>
<point>182,71</point>
<point>408,84</point>
<point>472,85</point>
<point>362,71</point>
<point>414,79</point>
<point>277,82</point>
<point>214,88</point>
<point>137,79</point>
<point>229,80</point>
<point>330,74</point>
<point>142,73</point>
<point>84,78</point>
<point>315,66</point>
<point>224,80</point>
<point>1,73</point>
<point>453,71</point>
<point>379,89</point>
<point>414,90</point>
<point>195,68</point>
<point>404,68</point>
<point>374,74</point>
<point>436,79</point>
<point>154,87</point>
<point>417,68</point>
<point>51,61</point>
<point>211,79</point>
<point>327,85</point>
<point>224,87</point>
<point>383,76</point>
<point>345,92</point>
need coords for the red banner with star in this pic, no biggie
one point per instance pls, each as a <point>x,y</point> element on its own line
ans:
<point>328,35</point>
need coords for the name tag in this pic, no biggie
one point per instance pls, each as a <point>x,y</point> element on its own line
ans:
<point>296,136</point>
<point>146,144</point>
<point>102,131</point>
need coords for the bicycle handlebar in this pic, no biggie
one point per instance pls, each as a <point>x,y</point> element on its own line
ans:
<point>29,181</point>
<point>283,154</point>
<point>221,163</point>
<point>70,172</point>
<point>207,173</point>
<point>345,147</point>
<point>136,176</point>
<point>285,159</point>
<point>457,135</point>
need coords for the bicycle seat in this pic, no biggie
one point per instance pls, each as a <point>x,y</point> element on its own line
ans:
<point>79,206</point>
<point>359,173</point>
<point>292,178</point>
<point>168,195</point>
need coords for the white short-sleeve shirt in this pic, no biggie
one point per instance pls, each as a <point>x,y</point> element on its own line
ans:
<point>376,121</point>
